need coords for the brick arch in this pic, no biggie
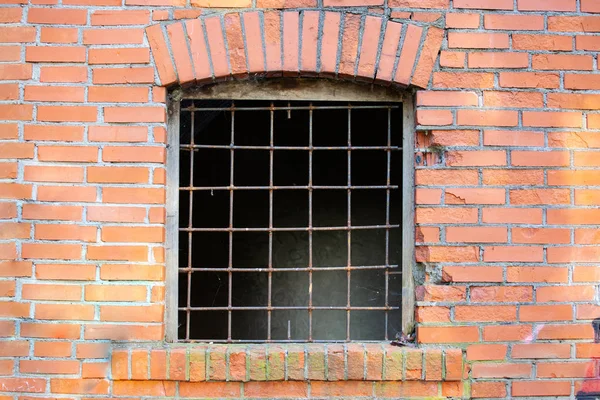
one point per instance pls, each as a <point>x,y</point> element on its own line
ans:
<point>290,43</point>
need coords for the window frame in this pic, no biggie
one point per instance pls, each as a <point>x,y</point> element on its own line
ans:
<point>289,90</point>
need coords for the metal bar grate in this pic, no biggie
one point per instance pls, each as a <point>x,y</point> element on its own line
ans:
<point>200,259</point>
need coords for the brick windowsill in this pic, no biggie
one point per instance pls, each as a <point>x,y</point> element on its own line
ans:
<point>293,362</point>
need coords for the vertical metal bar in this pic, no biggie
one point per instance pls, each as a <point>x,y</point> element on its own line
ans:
<point>387,217</point>
<point>172,223</point>
<point>271,154</point>
<point>190,225</point>
<point>310,221</point>
<point>349,264</point>
<point>230,263</point>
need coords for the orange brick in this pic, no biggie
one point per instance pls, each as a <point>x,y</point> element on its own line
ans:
<point>502,294</point>
<point>50,212</point>
<point>51,251</point>
<point>116,214</point>
<point>537,274</point>
<point>120,94</point>
<point>565,293</point>
<point>513,254</point>
<point>59,35</point>
<point>512,215</point>
<point>64,311</point>
<point>541,388</point>
<point>472,274</point>
<point>541,350</point>
<point>52,349</point>
<point>466,80</point>
<point>65,232</point>
<point>132,314</point>
<point>68,153</point>
<point>51,292</point>
<point>57,16</point>
<point>39,173</point>
<point>115,293</point>
<point>113,36</point>
<point>125,253</point>
<point>505,370</point>
<point>92,350</point>
<point>545,313</point>
<point>477,40</point>
<point>50,330</point>
<point>133,234</point>
<point>541,235</point>
<point>519,22</point>
<point>126,75</point>
<point>513,177</point>
<point>53,133</point>
<point>118,175</point>
<point>543,42</point>
<point>133,154</point>
<point>485,313</point>
<point>137,195</point>
<point>55,74</point>
<point>529,80</point>
<point>451,334</point>
<point>79,386</point>
<point>475,158</point>
<point>485,352</point>
<point>476,234</point>
<point>67,113</point>
<point>49,367</point>
<point>75,193</point>
<point>54,93</point>
<point>506,333</point>
<point>120,17</point>
<point>475,196</point>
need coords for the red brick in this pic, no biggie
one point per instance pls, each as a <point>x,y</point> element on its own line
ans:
<point>486,352</point>
<point>57,16</point>
<point>498,60</point>
<point>543,42</point>
<point>488,389</point>
<point>472,274</point>
<point>113,36</point>
<point>513,177</point>
<point>59,35</point>
<point>510,333</point>
<point>53,74</point>
<point>541,388</point>
<point>485,4</point>
<point>546,5</point>
<point>518,22</point>
<point>545,313</point>
<point>485,313</point>
<point>501,294</point>
<point>451,334</point>
<point>120,17</point>
<point>477,40</point>
<point>505,370</point>
<point>122,75</point>
<point>529,80</point>
<point>541,350</point>
<point>513,254</point>
<point>467,80</point>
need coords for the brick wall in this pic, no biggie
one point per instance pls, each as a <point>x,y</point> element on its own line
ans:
<point>507,192</point>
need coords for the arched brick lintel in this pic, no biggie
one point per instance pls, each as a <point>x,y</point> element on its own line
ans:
<point>289,43</point>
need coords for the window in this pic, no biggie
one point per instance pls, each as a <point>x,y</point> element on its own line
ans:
<point>289,214</point>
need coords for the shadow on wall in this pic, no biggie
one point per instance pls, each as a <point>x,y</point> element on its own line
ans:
<point>590,388</point>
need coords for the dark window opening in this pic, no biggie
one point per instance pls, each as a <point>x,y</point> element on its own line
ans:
<point>290,223</point>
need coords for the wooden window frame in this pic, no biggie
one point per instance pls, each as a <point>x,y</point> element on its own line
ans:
<point>289,90</point>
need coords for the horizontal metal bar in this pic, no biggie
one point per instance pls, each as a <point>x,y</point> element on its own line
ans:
<point>313,187</point>
<point>204,341</point>
<point>187,147</point>
<point>294,229</point>
<point>289,108</point>
<point>274,308</point>
<point>313,269</point>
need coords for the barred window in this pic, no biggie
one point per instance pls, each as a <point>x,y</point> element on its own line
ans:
<point>290,218</point>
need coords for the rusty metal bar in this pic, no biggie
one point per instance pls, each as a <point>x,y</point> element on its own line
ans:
<point>288,108</point>
<point>190,233</point>
<point>288,187</point>
<point>297,269</point>
<point>310,221</point>
<point>270,268</point>
<point>230,261</point>
<point>292,229</point>
<point>270,261</point>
